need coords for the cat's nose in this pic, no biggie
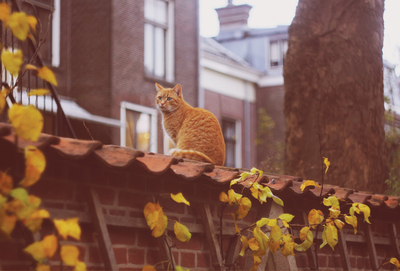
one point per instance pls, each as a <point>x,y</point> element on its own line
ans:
<point>162,104</point>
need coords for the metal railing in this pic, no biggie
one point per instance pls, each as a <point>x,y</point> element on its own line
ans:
<point>55,120</point>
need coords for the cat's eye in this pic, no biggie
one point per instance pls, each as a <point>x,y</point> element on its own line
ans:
<point>169,99</point>
<point>159,97</point>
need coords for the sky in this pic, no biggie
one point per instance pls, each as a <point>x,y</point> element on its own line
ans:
<point>270,13</point>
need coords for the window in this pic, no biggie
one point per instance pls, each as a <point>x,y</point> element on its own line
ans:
<point>158,39</point>
<point>231,130</point>
<point>42,9</point>
<point>278,49</point>
<point>138,127</point>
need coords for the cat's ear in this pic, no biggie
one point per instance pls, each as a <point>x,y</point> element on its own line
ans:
<point>178,90</point>
<point>158,87</point>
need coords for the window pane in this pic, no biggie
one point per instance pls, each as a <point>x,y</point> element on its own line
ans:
<point>284,48</point>
<point>159,69</point>
<point>138,130</point>
<point>149,9</point>
<point>229,132</point>
<point>274,53</point>
<point>160,12</point>
<point>149,48</point>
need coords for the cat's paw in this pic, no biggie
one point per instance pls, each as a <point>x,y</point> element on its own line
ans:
<point>171,151</point>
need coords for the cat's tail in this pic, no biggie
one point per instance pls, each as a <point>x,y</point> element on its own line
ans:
<point>190,154</point>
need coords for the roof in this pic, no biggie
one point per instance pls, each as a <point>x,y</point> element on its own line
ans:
<point>234,34</point>
<point>128,159</point>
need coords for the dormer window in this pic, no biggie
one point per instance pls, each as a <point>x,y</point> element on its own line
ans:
<point>278,49</point>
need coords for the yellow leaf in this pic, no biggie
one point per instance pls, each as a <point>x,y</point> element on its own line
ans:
<point>243,175</point>
<point>12,61</point>
<point>233,197</point>
<point>30,67</point>
<point>42,267</point>
<point>37,251</point>
<point>334,212</point>
<point>182,233</point>
<point>149,268</point>
<point>315,217</point>
<point>253,244</point>
<point>263,221</point>
<point>277,200</point>
<point>27,121</point>
<point>3,95</point>
<point>7,223</point>
<point>46,74</point>
<point>307,237</point>
<point>4,12</point>
<point>149,208</point>
<point>234,181</point>
<point>69,255</point>
<point>276,233</point>
<point>255,171</point>
<point>274,246</point>
<point>236,226</point>
<point>35,165</point>
<point>34,221</point>
<point>395,262</point>
<point>80,266</point>
<point>18,22</point>
<point>39,92</point>
<point>272,222</point>
<point>288,245</point>
<point>32,21</point>
<point>366,211</point>
<point>332,201</point>
<point>223,197</point>
<point>339,224</point>
<point>69,227</point>
<point>329,236</point>
<point>308,183</point>
<point>245,245</point>
<point>352,220</point>
<point>327,164</point>
<point>157,222</point>
<point>286,217</point>
<point>261,238</point>
<point>257,262</point>
<point>6,183</point>
<point>50,244</point>
<point>244,208</point>
<point>180,198</point>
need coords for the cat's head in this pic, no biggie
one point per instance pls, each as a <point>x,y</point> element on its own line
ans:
<point>169,99</point>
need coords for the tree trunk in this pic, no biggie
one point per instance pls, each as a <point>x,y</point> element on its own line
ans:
<point>334,93</point>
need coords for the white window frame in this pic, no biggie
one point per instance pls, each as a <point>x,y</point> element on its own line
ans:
<point>169,42</point>
<point>281,49</point>
<point>55,34</point>
<point>153,123</point>
<point>238,140</point>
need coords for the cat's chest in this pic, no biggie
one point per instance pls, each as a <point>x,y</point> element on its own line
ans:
<point>171,127</point>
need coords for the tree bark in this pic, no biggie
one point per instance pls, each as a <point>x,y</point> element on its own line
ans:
<point>334,93</point>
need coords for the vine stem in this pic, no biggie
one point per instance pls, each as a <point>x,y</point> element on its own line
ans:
<point>322,165</point>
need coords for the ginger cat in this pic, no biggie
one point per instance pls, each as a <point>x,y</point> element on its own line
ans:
<point>196,132</point>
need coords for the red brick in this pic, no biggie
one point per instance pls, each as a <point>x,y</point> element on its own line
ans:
<point>356,250</point>
<point>169,205</point>
<point>301,260</point>
<point>133,200</point>
<point>76,207</point>
<point>99,176</point>
<point>95,255</point>
<point>322,260</point>
<point>106,195</point>
<point>88,234</point>
<point>145,239</point>
<point>122,236</point>
<point>52,190</point>
<point>153,256</point>
<point>120,255</point>
<point>176,256</point>
<point>193,244</point>
<point>187,220</point>
<point>54,205</point>
<point>136,214</point>
<point>360,263</point>
<point>136,256</point>
<point>117,212</point>
<point>187,259</point>
<point>353,262</point>
<point>203,260</point>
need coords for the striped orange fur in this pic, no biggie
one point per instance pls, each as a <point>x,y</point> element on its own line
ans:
<point>195,132</point>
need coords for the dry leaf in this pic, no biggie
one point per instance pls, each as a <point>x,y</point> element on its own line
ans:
<point>26,120</point>
<point>18,22</point>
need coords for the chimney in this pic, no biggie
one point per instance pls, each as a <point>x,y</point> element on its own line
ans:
<point>233,17</point>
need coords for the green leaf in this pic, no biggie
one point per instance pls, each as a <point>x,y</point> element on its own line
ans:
<point>20,193</point>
